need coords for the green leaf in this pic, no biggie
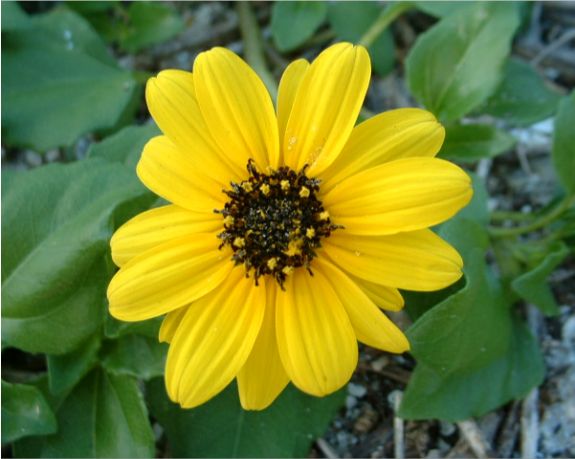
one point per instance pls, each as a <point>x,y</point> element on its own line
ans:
<point>66,30</point>
<point>115,329</point>
<point>441,9</point>
<point>91,7</point>
<point>475,141</point>
<point>564,143</point>
<point>56,224</point>
<point>469,329</point>
<point>13,17</point>
<point>25,412</point>
<point>457,64</point>
<point>533,287</point>
<point>136,356</point>
<point>472,355</point>
<point>9,176</point>
<point>522,98</point>
<point>474,393</point>
<point>221,428</point>
<point>125,146</point>
<point>104,416</point>
<point>294,22</point>
<point>149,23</point>
<point>65,371</point>
<point>351,19</point>
<point>59,82</point>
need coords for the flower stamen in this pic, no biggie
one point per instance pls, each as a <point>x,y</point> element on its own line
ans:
<point>274,222</point>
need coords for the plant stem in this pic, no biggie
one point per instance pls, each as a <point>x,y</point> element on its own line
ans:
<point>253,46</point>
<point>501,215</point>
<point>387,16</point>
<point>539,223</point>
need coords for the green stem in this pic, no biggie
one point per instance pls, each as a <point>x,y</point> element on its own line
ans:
<point>537,224</point>
<point>387,16</point>
<point>501,215</point>
<point>253,46</point>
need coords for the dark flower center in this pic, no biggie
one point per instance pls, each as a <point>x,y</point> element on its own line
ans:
<point>274,221</point>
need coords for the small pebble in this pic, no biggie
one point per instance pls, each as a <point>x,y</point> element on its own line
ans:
<point>366,421</point>
<point>356,390</point>
<point>568,331</point>
<point>52,155</point>
<point>446,428</point>
<point>32,158</point>
<point>380,363</point>
<point>350,402</point>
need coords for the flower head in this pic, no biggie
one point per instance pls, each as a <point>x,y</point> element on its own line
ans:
<point>288,233</point>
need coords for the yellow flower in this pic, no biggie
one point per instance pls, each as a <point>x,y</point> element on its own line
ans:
<point>287,232</point>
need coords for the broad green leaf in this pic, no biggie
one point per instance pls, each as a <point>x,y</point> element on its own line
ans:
<point>441,9</point>
<point>65,371</point>
<point>56,224</point>
<point>9,176</point>
<point>475,141</point>
<point>350,20</point>
<point>522,98</point>
<point>125,146</point>
<point>149,23</point>
<point>294,22</point>
<point>221,428</point>
<point>13,17</point>
<point>104,416</point>
<point>67,30</point>
<point>457,64</point>
<point>53,97</point>
<point>136,356</point>
<point>564,143</point>
<point>115,329</point>
<point>469,329</point>
<point>91,7</point>
<point>473,393</point>
<point>533,287</point>
<point>59,82</point>
<point>25,412</point>
<point>472,354</point>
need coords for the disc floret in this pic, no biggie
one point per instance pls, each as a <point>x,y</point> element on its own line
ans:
<point>274,221</point>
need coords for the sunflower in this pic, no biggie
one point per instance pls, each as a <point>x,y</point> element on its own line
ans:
<point>288,231</point>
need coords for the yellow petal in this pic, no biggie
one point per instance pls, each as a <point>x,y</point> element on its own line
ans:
<point>396,134</point>
<point>403,195</point>
<point>168,277</point>
<point>316,341</point>
<point>214,340</point>
<point>156,226</point>
<point>263,377</point>
<point>387,298</point>
<point>170,324</point>
<point>326,107</point>
<point>418,260</point>
<point>237,108</point>
<point>165,170</point>
<point>371,325</point>
<point>287,90</point>
<point>171,99</point>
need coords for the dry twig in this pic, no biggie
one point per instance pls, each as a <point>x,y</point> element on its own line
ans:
<point>326,449</point>
<point>474,438</point>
